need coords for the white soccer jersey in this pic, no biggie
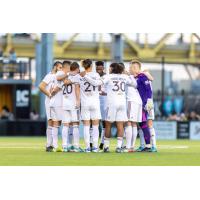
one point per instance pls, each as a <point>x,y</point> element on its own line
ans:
<point>89,93</point>
<point>50,81</point>
<point>116,87</point>
<point>133,94</point>
<point>69,95</point>
<point>116,95</point>
<point>56,100</point>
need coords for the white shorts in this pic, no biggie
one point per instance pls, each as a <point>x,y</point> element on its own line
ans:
<point>134,112</point>
<point>47,108</point>
<point>116,113</point>
<point>56,113</point>
<point>151,115</point>
<point>70,116</point>
<point>91,112</point>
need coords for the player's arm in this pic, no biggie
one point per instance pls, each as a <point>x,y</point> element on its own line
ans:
<point>61,77</point>
<point>148,75</point>
<point>131,82</point>
<point>94,82</point>
<point>77,93</point>
<point>42,87</point>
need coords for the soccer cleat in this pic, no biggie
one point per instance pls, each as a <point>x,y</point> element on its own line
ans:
<point>78,150</point>
<point>131,150</point>
<point>49,149</point>
<point>140,149</point>
<point>147,149</point>
<point>95,150</point>
<point>88,150</point>
<point>71,148</point>
<point>106,150</point>
<point>154,149</point>
<point>123,147</point>
<point>65,149</point>
<point>119,150</point>
<point>101,146</point>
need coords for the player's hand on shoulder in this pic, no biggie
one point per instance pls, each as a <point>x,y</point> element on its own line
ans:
<point>82,74</point>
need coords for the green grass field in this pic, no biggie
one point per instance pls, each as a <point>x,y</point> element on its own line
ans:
<point>30,151</point>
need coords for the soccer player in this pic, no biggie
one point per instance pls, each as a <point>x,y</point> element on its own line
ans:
<point>102,97</point>
<point>145,91</point>
<point>151,117</point>
<point>66,66</point>
<point>45,86</point>
<point>134,112</point>
<point>71,105</point>
<point>90,106</point>
<point>115,84</point>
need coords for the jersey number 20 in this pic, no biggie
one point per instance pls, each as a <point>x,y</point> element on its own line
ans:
<point>67,89</point>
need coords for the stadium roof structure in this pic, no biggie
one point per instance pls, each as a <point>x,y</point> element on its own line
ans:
<point>98,47</point>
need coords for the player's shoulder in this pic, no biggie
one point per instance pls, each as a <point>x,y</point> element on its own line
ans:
<point>59,73</point>
<point>94,75</point>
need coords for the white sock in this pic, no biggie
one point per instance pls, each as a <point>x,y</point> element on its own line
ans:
<point>86,132</point>
<point>124,137</point>
<point>119,142</point>
<point>153,137</point>
<point>70,136</point>
<point>106,142</point>
<point>95,136</point>
<point>55,137</point>
<point>129,134</point>
<point>65,132</point>
<point>102,135</point>
<point>134,136</point>
<point>49,136</point>
<point>91,133</point>
<point>142,141</point>
<point>76,135</point>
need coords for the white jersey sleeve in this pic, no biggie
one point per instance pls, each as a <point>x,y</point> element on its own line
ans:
<point>47,79</point>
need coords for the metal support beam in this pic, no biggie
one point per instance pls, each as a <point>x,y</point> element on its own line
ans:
<point>188,72</point>
<point>69,42</point>
<point>132,44</point>
<point>161,42</point>
<point>46,63</point>
<point>117,48</point>
<point>100,51</point>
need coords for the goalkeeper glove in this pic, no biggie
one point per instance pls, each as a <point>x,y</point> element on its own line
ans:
<point>149,105</point>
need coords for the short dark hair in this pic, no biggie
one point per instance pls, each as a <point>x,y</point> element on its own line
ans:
<point>66,62</point>
<point>122,64</point>
<point>99,63</point>
<point>57,63</point>
<point>86,63</point>
<point>116,68</point>
<point>74,66</point>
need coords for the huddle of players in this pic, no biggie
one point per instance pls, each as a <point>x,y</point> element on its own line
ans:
<point>121,97</point>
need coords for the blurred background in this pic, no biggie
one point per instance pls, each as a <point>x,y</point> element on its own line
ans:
<point>172,58</point>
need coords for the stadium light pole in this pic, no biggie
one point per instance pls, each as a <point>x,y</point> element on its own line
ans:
<point>117,47</point>
<point>46,63</point>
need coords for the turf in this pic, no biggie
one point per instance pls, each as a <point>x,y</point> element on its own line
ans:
<point>29,151</point>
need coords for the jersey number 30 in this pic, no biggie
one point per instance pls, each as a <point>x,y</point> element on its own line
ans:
<point>119,86</point>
